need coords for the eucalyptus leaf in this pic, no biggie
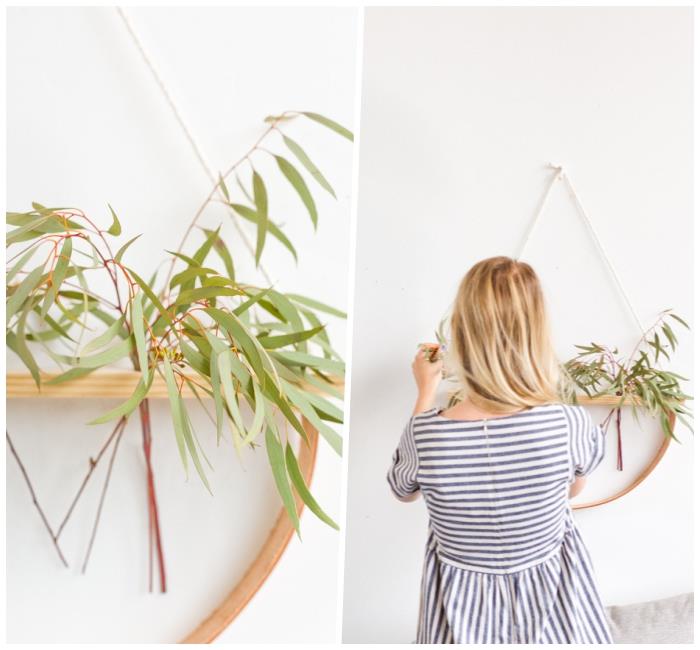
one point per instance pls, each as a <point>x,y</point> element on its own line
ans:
<point>301,156</point>
<point>302,490</point>
<point>299,184</point>
<point>331,124</point>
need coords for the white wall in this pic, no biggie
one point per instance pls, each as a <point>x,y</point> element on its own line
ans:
<point>87,126</point>
<point>461,109</point>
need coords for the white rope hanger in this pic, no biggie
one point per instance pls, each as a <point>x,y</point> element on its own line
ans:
<point>158,79</point>
<point>561,175</point>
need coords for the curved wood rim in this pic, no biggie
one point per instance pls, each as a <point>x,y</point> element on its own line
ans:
<point>639,478</point>
<point>270,553</point>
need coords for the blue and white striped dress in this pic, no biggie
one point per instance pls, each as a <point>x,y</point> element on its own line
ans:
<point>504,560</point>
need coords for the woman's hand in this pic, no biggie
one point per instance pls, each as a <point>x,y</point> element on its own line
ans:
<point>427,371</point>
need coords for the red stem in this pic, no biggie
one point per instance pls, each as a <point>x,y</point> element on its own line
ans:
<point>618,422</point>
<point>153,519</point>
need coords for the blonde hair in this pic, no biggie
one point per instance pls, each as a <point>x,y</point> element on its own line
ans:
<point>501,346</point>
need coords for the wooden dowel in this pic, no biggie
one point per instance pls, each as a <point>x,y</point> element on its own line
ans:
<point>100,384</point>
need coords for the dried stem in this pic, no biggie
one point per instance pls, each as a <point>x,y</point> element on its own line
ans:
<point>105,486</point>
<point>93,464</point>
<point>35,500</point>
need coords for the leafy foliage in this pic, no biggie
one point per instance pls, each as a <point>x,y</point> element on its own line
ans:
<point>262,356</point>
<point>598,370</point>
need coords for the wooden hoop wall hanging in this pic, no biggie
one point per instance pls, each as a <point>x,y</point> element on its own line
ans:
<point>120,384</point>
<point>559,174</point>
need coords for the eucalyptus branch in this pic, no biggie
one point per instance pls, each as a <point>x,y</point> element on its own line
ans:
<point>238,362</point>
<point>217,188</point>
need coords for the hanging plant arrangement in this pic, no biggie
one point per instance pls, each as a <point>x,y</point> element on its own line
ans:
<point>598,371</point>
<point>262,357</point>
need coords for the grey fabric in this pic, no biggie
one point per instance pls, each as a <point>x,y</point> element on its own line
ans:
<point>669,620</point>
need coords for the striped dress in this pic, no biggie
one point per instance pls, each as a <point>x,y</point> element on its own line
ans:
<point>504,560</point>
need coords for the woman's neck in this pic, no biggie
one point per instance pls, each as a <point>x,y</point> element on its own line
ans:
<point>466,410</point>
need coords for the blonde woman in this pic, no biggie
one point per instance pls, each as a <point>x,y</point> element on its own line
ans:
<point>504,561</point>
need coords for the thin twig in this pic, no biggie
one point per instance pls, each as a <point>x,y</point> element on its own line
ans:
<point>217,188</point>
<point>102,498</point>
<point>35,500</point>
<point>93,464</point>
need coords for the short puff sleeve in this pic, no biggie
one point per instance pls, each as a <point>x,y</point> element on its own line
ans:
<point>587,441</point>
<point>403,473</point>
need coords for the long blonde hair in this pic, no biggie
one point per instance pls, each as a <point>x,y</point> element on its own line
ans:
<point>501,348</point>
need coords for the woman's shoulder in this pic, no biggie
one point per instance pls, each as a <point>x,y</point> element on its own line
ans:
<point>425,415</point>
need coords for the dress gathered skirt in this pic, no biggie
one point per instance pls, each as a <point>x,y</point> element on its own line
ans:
<point>504,560</point>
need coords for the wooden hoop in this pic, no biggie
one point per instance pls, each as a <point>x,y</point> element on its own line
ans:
<point>640,477</point>
<point>268,557</point>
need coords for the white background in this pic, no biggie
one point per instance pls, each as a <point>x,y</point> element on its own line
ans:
<point>461,109</point>
<point>87,126</point>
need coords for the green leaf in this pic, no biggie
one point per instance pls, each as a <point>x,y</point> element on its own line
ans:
<point>302,490</point>
<point>151,296</point>
<point>310,360</point>
<point>223,188</point>
<point>103,339</point>
<point>16,300</point>
<point>139,334</point>
<point>251,215</point>
<point>224,361</point>
<point>244,306</point>
<point>70,375</point>
<point>326,409</point>
<point>680,320</point>
<point>122,250</point>
<point>331,124</point>
<point>193,295</point>
<point>190,273</point>
<point>20,264</point>
<point>18,344</point>
<point>188,260</point>
<point>115,353</point>
<point>306,162</point>
<point>28,231</point>
<point>199,362</point>
<point>260,198</point>
<point>216,392</point>
<point>300,401</point>
<point>127,407</point>
<point>298,183</point>
<point>274,342</point>
<point>175,410</point>
<point>222,251</point>
<point>57,330</point>
<point>59,275</point>
<point>241,337</point>
<point>258,415</point>
<point>192,444</point>
<point>116,228</point>
<point>315,304</point>
<point>275,455</point>
<point>204,249</point>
